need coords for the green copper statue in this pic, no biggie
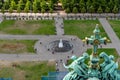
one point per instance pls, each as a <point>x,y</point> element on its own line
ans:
<point>78,66</point>
<point>95,71</point>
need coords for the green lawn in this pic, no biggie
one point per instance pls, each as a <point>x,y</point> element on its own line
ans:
<point>116,26</point>
<point>27,70</point>
<point>109,51</point>
<point>82,28</point>
<point>17,46</point>
<point>43,27</point>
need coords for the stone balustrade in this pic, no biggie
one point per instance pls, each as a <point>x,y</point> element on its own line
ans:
<point>51,16</point>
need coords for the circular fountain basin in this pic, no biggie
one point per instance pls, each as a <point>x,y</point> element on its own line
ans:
<point>54,46</point>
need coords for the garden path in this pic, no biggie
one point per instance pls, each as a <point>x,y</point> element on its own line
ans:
<point>1,19</point>
<point>59,25</point>
<point>113,37</point>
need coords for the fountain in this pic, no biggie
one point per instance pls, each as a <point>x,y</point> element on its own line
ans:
<point>60,46</point>
<point>94,71</point>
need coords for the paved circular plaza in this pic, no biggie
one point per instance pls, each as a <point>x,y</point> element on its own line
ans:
<point>42,46</point>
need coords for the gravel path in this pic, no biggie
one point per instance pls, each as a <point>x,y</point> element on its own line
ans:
<point>59,25</point>
<point>113,37</point>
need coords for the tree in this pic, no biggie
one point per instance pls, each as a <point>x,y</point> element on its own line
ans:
<point>13,4</point>
<point>74,3</point>
<point>6,4</point>
<point>35,9</point>
<point>1,5</point>
<point>54,1</point>
<point>51,10</point>
<point>51,5</point>
<point>91,9</point>
<point>107,10</point>
<point>43,10</point>
<point>19,8</point>
<point>38,6</point>
<point>111,5</point>
<point>3,10</point>
<point>116,2</point>
<point>64,3</point>
<point>100,10</point>
<point>103,4</point>
<point>26,9</point>
<point>43,6</point>
<point>2,1</point>
<point>88,4</point>
<point>81,4</point>
<point>75,10</point>
<point>21,4</point>
<point>115,9</point>
<point>94,4</point>
<point>67,10</point>
<point>10,9</point>
<point>16,1</point>
<point>83,10</point>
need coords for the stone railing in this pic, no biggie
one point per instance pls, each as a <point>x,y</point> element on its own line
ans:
<point>49,16</point>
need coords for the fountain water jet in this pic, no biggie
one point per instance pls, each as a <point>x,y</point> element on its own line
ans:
<point>60,44</point>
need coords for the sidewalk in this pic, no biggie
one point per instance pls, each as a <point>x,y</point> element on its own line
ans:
<point>113,37</point>
<point>59,25</point>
